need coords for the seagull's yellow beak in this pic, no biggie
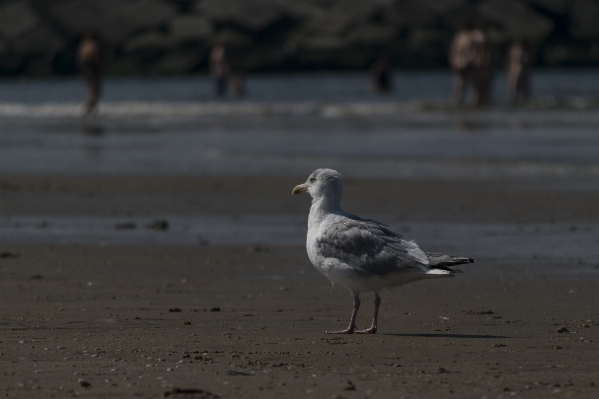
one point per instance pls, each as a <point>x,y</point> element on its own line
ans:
<point>299,189</point>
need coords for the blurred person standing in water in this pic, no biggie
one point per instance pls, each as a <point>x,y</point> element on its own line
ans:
<point>219,68</point>
<point>470,60</point>
<point>89,62</point>
<point>381,73</point>
<point>518,75</point>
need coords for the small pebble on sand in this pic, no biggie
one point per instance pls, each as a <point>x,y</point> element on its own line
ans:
<point>158,225</point>
<point>84,383</point>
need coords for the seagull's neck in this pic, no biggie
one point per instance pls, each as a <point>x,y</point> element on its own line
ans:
<point>321,207</point>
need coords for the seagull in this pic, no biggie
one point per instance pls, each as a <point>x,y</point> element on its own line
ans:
<point>362,255</point>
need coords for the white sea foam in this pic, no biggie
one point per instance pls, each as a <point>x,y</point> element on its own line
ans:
<point>135,109</point>
<point>416,111</point>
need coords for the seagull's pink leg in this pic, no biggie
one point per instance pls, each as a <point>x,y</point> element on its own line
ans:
<point>372,329</point>
<point>352,322</point>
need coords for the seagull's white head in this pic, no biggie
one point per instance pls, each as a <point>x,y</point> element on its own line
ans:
<point>324,185</point>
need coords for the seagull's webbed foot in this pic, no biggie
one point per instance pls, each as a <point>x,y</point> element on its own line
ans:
<point>371,330</point>
<point>349,330</point>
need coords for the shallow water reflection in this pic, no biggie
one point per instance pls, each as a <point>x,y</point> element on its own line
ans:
<point>496,243</point>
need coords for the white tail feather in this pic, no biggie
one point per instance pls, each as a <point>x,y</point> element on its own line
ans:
<point>439,272</point>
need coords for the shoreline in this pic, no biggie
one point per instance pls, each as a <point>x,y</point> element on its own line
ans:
<point>541,111</point>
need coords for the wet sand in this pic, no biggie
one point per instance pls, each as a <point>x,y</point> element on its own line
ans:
<point>451,200</point>
<point>249,321</point>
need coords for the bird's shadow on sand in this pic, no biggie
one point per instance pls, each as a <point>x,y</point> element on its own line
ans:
<point>471,336</point>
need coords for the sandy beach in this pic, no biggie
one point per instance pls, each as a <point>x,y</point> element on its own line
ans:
<point>248,320</point>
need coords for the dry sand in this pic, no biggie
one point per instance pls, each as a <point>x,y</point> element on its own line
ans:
<point>249,322</point>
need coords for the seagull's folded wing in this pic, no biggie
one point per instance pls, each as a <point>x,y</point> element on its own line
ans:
<point>370,248</point>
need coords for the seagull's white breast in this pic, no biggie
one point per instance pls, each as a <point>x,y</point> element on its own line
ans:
<point>332,268</point>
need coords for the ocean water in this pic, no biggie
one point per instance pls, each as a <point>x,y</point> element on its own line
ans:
<point>291,124</point>
<point>298,87</point>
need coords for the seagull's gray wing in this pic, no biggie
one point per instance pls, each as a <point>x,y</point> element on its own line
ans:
<point>370,248</point>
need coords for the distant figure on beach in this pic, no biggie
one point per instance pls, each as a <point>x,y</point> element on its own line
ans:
<point>470,60</point>
<point>381,73</point>
<point>518,75</point>
<point>219,68</point>
<point>89,62</point>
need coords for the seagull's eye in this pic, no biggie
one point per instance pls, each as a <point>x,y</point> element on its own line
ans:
<point>312,179</point>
